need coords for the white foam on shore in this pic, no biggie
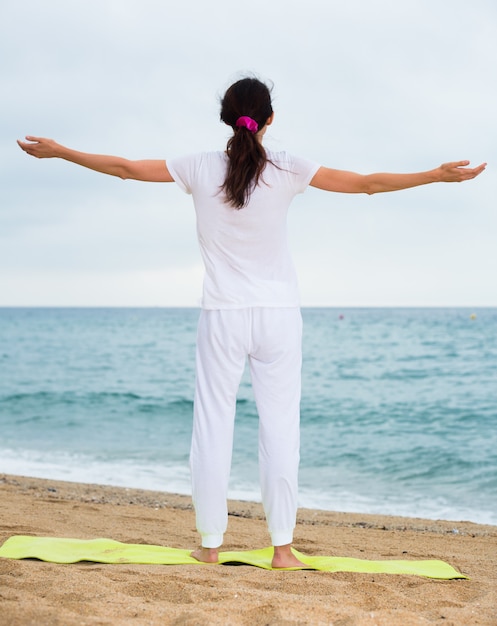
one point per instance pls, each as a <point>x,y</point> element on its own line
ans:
<point>409,506</point>
<point>176,479</point>
<point>85,469</point>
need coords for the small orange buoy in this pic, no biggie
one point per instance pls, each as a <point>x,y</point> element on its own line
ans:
<point>472,316</point>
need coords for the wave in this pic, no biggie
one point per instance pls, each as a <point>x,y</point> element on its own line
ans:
<point>164,476</point>
<point>397,405</point>
<point>49,399</point>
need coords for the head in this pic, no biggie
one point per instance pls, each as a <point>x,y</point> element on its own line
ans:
<point>247,98</point>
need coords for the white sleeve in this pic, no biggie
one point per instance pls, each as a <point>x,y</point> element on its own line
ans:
<point>298,171</point>
<point>304,170</point>
<point>183,170</point>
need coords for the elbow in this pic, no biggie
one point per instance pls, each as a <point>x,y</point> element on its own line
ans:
<point>370,185</point>
<point>367,185</point>
<point>369,188</point>
<point>125,169</point>
<point>124,172</point>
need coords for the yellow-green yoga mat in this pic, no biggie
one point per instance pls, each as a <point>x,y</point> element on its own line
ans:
<point>60,550</point>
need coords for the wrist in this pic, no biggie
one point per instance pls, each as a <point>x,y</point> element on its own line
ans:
<point>435,175</point>
<point>59,151</point>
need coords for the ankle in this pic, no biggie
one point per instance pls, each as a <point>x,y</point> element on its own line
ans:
<point>206,555</point>
<point>284,557</point>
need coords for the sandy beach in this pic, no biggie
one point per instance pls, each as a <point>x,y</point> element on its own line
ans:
<point>37,593</point>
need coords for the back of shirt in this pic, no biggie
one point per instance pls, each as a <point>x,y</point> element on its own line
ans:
<point>245,251</point>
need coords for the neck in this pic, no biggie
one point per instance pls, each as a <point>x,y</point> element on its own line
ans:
<point>260,134</point>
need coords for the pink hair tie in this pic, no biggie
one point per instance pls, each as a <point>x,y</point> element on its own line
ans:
<point>248,123</point>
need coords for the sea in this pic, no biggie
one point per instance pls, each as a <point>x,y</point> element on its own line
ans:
<point>398,414</point>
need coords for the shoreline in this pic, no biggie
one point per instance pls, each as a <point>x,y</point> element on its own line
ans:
<point>36,592</point>
<point>248,509</point>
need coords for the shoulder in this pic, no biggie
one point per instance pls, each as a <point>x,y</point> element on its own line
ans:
<point>202,160</point>
<point>192,170</point>
<point>195,161</point>
<point>278,157</point>
<point>283,158</point>
<point>297,172</point>
<point>292,163</point>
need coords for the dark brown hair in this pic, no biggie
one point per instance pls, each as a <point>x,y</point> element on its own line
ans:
<point>247,158</point>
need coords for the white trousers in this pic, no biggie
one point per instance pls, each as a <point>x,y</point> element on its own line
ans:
<point>271,340</point>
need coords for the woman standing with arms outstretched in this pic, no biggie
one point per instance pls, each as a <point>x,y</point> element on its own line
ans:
<point>250,303</point>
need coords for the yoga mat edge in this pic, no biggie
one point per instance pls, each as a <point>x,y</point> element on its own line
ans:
<point>69,550</point>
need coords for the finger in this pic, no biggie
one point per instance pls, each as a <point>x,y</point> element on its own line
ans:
<point>476,171</point>
<point>480,168</point>
<point>22,145</point>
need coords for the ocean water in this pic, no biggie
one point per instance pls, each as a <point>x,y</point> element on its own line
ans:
<point>399,406</point>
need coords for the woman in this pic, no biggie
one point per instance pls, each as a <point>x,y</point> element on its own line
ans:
<point>250,305</point>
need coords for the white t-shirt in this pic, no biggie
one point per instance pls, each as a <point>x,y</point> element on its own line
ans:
<point>245,251</point>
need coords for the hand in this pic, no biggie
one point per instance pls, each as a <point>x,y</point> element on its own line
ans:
<point>39,147</point>
<point>456,172</point>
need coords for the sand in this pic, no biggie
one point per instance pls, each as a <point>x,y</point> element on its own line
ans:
<point>37,593</point>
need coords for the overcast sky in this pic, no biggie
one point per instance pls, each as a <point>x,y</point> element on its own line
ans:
<point>367,85</point>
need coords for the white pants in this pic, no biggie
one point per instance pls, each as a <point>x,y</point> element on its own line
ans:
<point>271,339</point>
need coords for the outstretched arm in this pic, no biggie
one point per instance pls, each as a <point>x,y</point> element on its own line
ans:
<point>350,182</point>
<point>152,170</point>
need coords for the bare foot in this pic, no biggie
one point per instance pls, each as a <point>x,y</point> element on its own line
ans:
<point>284,557</point>
<point>206,555</point>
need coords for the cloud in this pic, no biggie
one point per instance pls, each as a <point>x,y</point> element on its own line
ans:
<point>362,85</point>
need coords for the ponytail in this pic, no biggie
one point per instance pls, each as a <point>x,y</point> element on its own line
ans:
<point>246,107</point>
